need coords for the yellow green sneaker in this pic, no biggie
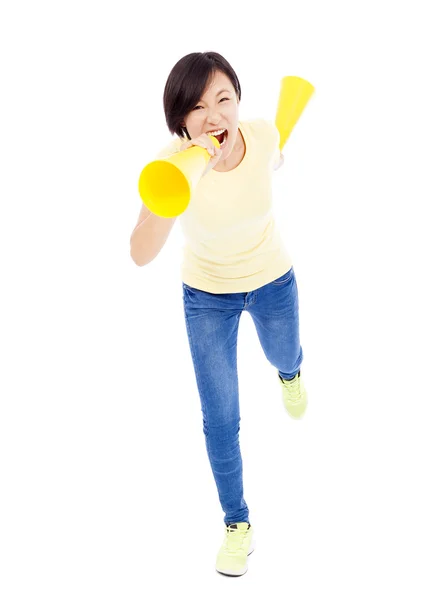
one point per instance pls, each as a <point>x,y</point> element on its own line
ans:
<point>295,398</point>
<point>237,545</point>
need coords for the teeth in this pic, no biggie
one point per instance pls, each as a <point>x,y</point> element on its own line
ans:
<point>218,132</point>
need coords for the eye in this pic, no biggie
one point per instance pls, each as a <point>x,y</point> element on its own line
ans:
<point>201,106</point>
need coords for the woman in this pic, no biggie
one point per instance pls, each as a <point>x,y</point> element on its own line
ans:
<point>234,260</point>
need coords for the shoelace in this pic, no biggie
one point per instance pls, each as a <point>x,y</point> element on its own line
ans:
<point>293,391</point>
<point>235,539</point>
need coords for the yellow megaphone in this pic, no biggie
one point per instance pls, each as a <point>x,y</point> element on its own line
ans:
<point>294,95</point>
<point>165,185</point>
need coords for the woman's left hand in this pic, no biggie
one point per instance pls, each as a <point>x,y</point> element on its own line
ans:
<point>280,162</point>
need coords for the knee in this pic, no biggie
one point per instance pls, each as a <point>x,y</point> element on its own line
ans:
<point>222,441</point>
<point>221,430</point>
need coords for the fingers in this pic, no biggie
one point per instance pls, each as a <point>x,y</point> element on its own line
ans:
<point>204,141</point>
<point>208,144</point>
<point>213,160</point>
<point>184,146</point>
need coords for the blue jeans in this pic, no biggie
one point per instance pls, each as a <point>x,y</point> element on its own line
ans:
<point>212,322</point>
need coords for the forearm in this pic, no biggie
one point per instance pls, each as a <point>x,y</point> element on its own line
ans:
<point>149,237</point>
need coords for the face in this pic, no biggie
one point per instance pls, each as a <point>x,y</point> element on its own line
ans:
<point>218,109</point>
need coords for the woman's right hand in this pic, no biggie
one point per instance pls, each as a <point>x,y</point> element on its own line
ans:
<point>204,141</point>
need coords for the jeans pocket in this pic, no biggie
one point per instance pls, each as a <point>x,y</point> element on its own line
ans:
<point>190,289</point>
<point>190,294</point>
<point>284,278</point>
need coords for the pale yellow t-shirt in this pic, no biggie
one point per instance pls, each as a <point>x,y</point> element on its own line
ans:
<point>232,243</point>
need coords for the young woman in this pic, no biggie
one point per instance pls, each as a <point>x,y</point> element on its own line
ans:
<point>234,261</point>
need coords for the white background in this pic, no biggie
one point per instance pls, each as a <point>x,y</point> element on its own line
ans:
<point>106,487</point>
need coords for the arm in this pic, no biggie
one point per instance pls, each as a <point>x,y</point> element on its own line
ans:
<point>149,236</point>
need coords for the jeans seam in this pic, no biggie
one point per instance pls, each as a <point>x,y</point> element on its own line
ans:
<point>193,354</point>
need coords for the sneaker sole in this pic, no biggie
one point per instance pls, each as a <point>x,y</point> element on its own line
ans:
<point>292,416</point>
<point>229,574</point>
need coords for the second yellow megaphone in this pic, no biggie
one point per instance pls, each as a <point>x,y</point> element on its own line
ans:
<point>165,185</point>
<point>294,95</point>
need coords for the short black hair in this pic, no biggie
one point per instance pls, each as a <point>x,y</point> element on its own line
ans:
<point>186,84</point>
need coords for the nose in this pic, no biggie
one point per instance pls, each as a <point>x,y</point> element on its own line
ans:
<point>214,116</point>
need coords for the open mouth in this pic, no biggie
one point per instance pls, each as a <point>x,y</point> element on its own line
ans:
<point>222,138</point>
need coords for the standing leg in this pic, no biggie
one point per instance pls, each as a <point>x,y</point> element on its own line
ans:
<point>212,322</point>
